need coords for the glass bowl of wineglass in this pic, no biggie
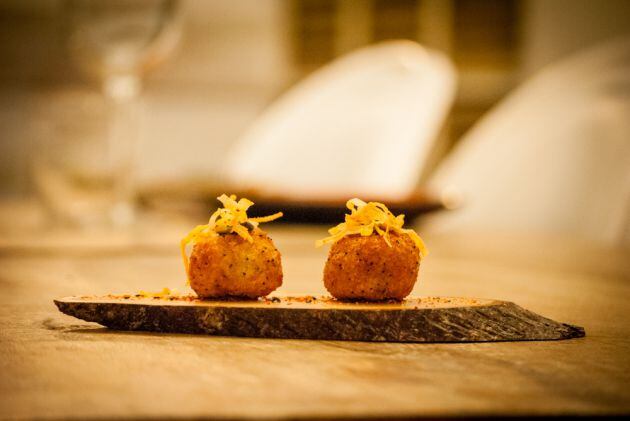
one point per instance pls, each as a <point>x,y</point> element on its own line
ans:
<point>84,171</point>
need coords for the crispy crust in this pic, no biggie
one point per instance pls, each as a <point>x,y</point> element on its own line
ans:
<point>230,266</point>
<point>366,268</point>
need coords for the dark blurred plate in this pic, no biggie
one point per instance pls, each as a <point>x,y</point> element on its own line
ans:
<point>332,211</point>
<point>198,198</point>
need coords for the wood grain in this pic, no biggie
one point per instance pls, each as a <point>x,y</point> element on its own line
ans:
<point>427,319</point>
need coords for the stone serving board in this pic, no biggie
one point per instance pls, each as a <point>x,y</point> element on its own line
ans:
<point>425,319</point>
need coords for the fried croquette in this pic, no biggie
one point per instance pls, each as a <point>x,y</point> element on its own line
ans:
<point>373,256</point>
<point>231,256</point>
<point>229,265</point>
<point>367,268</point>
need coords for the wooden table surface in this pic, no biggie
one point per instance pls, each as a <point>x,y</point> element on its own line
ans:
<point>54,366</point>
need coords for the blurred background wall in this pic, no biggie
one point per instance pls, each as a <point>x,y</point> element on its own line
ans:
<point>234,57</point>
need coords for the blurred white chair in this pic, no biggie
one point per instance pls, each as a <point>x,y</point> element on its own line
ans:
<point>553,157</point>
<point>363,125</point>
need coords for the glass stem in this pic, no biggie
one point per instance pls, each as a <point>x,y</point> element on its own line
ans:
<point>122,92</point>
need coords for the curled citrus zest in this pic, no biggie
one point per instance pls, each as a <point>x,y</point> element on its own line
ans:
<point>366,219</point>
<point>231,218</point>
<point>261,219</point>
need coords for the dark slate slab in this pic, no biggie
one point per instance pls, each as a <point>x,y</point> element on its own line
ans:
<point>427,319</point>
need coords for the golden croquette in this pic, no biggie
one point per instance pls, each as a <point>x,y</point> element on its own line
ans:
<point>367,268</point>
<point>373,257</point>
<point>231,256</point>
<point>229,265</point>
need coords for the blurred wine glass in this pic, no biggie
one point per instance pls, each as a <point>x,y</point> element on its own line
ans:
<point>117,41</point>
<point>88,179</point>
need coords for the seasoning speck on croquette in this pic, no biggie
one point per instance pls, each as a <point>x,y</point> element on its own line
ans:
<point>231,256</point>
<point>372,257</point>
<point>229,265</point>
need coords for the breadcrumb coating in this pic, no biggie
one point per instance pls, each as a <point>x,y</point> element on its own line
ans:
<point>230,266</point>
<point>367,268</point>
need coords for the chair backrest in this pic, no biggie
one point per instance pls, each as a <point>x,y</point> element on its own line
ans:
<point>361,126</point>
<point>553,157</point>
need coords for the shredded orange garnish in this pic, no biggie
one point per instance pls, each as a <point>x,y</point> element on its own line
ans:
<point>231,218</point>
<point>368,218</point>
